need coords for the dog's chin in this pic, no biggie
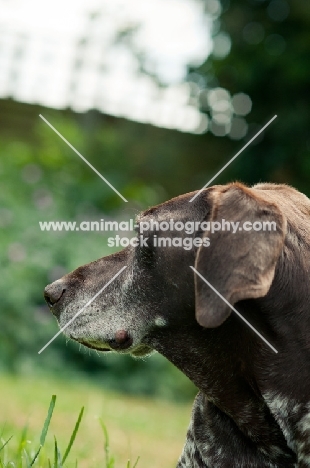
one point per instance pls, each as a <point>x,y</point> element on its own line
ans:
<point>138,351</point>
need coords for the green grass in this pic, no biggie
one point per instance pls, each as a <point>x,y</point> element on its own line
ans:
<point>22,457</point>
<point>114,431</point>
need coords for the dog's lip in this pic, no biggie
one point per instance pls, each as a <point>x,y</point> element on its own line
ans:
<point>91,345</point>
<point>122,342</point>
<point>138,350</point>
<point>113,346</point>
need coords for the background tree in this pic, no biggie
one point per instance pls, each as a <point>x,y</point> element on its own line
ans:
<point>269,61</point>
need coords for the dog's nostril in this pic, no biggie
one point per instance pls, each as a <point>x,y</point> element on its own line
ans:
<point>53,292</point>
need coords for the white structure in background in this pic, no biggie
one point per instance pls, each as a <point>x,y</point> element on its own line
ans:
<point>69,58</point>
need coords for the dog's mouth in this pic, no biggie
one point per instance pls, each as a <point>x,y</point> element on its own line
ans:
<point>92,345</point>
<point>140,350</point>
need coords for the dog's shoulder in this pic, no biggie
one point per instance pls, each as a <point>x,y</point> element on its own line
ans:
<point>293,418</point>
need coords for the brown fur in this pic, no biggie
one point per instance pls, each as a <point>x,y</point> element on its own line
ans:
<point>253,406</point>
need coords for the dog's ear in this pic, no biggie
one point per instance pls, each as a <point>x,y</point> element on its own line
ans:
<point>238,265</point>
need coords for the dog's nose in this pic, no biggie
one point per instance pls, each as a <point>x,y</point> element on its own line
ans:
<point>53,292</point>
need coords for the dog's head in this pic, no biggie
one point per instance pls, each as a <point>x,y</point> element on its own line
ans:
<point>158,289</point>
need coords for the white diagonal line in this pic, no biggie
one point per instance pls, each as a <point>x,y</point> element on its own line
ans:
<point>233,158</point>
<point>81,310</point>
<point>82,157</point>
<point>232,308</point>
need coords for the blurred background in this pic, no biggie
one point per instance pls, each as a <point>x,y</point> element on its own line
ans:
<point>158,96</point>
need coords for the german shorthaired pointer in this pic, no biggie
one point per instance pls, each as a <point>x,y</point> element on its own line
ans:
<point>253,405</point>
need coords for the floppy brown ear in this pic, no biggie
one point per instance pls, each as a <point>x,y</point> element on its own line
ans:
<point>241,265</point>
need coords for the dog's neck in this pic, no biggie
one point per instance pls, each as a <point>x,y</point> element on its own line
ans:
<point>229,384</point>
<point>191,348</point>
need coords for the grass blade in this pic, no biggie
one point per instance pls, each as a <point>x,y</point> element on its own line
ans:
<point>57,456</point>
<point>27,461</point>
<point>36,456</point>
<point>45,427</point>
<point>22,443</point>
<point>106,443</point>
<point>55,453</point>
<point>47,420</point>
<point>136,463</point>
<point>2,447</point>
<point>73,435</point>
<point>109,461</point>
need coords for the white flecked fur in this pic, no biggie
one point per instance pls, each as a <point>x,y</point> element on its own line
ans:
<point>281,408</point>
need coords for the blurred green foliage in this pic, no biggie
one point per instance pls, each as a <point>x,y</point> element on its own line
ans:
<point>269,60</point>
<point>43,179</point>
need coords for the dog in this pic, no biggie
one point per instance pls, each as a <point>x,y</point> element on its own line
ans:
<point>253,405</point>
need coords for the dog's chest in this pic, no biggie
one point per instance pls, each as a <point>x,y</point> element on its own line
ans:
<point>294,421</point>
<point>213,439</point>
